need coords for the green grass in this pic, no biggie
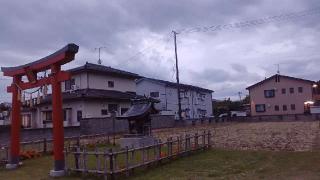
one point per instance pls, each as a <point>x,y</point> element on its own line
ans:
<point>213,164</point>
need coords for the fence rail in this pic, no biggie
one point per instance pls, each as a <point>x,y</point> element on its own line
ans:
<point>45,146</point>
<point>108,162</point>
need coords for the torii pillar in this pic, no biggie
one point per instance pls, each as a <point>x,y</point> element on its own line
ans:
<point>52,62</point>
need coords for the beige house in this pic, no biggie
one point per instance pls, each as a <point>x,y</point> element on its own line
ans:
<point>280,95</point>
<point>93,91</point>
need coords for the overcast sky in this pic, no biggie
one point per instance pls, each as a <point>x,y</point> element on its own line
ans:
<point>137,36</point>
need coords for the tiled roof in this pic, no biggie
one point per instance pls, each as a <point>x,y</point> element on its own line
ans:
<point>89,67</point>
<point>173,84</point>
<point>281,76</point>
<point>92,94</point>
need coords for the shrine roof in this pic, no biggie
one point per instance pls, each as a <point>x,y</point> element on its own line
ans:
<point>140,108</point>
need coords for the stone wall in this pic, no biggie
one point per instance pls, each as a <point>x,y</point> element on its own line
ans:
<point>105,125</point>
<point>36,134</point>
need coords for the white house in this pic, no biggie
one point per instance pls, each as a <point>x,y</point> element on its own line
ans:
<point>196,102</point>
<point>93,91</point>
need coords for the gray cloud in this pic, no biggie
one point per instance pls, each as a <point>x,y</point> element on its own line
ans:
<point>230,59</point>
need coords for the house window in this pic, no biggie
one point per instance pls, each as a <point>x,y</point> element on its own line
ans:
<point>154,94</point>
<point>260,108</point>
<point>269,93</point>
<point>79,115</point>
<point>291,90</point>
<point>104,112</point>
<point>300,89</point>
<point>284,107</point>
<point>276,108</point>
<point>123,110</point>
<point>68,84</point>
<point>284,90</point>
<point>64,115</point>
<point>47,115</point>
<point>26,121</point>
<point>293,107</point>
<point>113,108</point>
<point>110,84</point>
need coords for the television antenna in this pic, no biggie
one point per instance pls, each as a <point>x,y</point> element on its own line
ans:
<point>99,50</point>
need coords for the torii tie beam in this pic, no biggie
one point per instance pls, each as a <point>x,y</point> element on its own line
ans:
<point>52,62</point>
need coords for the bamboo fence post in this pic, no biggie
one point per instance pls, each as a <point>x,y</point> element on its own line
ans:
<point>186,143</point>
<point>159,150</point>
<point>143,155</point>
<point>76,157</point>
<point>97,159</point>
<point>111,164</point>
<point>148,154</point>
<point>84,160</point>
<point>66,159</point>
<point>178,145</point>
<point>105,156</point>
<point>7,153</point>
<point>171,146</point>
<point>154,150</point>
<point>196,143</point>
<point>168,147</point>
<point>209,139</point>
<point>204,140</point>
<point>127,161</point>
<point>132,156</point>
<point>115,164</point>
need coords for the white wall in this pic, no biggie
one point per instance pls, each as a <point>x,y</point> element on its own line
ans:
<point>99,81</point>
<point>169,98</point>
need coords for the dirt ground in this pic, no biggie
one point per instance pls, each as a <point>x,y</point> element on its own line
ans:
<point>273,136</point>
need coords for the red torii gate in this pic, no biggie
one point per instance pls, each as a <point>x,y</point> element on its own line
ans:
<point>52,62</point>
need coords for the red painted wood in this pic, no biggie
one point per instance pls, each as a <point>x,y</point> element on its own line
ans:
<point>62,76</point>
<point>60,57</point>
<point>15,122</point>
<point>53,62</point>
<point>57,118</point>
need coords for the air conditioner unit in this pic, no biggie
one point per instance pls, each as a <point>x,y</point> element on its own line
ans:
<point>74,87</point>
<point>5,113</point>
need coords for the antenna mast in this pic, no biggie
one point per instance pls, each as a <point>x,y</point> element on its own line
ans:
<point>99,49</point>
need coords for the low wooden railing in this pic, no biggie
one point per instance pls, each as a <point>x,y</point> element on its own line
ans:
<point>45,146</point>
<point>108,162</point>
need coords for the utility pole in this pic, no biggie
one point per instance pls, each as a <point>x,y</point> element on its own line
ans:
<point>177,75</point>
<point>239,93</point>
<point>99,49</point>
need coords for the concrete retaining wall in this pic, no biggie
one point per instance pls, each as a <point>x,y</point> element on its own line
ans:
<point>36,134</point>
<point>105,125</point>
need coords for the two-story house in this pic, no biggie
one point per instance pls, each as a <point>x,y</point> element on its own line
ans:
<point>93,91</point>
<point>196,102</point>
<point>279,94</point>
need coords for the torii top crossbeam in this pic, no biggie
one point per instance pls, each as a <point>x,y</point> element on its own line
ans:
<point>60,57</point>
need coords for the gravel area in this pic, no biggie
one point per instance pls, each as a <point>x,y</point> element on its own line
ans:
<point>271,136</point>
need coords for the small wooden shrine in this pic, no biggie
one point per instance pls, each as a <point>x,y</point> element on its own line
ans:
<point>139,121</point>
<point>138,116</point>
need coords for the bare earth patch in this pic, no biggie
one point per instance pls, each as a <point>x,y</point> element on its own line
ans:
<point>272,136</point>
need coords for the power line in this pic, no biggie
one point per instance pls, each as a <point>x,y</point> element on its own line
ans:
<point>166,38</point>
<point>255,22</point>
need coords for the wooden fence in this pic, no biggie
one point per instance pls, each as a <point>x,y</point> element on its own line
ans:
<point>45,146</point>
<point>108,162</point>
